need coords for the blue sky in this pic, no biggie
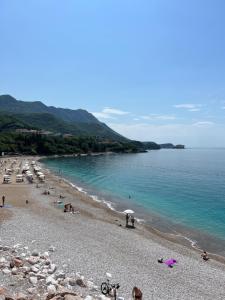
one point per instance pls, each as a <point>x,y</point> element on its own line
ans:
<point>152,70</point>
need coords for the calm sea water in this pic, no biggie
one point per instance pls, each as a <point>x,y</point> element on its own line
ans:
<point>180,190</point>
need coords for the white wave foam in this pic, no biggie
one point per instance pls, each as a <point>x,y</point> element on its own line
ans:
<point>192,242</point>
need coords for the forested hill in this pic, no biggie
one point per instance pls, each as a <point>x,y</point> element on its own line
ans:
<point>12,105</point>
<point>59,120</point>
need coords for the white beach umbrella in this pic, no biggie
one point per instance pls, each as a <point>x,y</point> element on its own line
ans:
<point>129,211</point>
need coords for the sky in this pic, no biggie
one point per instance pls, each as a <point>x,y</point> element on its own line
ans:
<point>153,70</point>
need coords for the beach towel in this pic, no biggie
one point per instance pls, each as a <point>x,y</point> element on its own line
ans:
<point>170,262</point>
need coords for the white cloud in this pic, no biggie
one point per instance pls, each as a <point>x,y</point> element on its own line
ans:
<point>114,111</point>
<point>194,109</point>
<point>102,115</point>
<point>223,107</point>
<point>158,117</point>
<point>189,106</point>
<point>109,113</point>
<point>203,124</point>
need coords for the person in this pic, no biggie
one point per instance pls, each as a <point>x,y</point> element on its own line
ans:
<point>132,221</point>
<point>204,256</point>
<point>136,293</point>
<point>3,200</point>
<point>127,219</point>
<point>160,260</point>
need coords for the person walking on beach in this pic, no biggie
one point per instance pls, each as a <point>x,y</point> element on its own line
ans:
<point>136,293</point>
<point>3,200</point>
<point>127,219</point>
<point>132,221</point>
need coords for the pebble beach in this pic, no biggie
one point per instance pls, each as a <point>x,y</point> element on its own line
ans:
<point>94,240</point>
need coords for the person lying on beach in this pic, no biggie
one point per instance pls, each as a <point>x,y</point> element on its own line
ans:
<point>204,256</point>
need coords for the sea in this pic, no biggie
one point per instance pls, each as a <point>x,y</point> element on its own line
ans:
<point>179,192</point>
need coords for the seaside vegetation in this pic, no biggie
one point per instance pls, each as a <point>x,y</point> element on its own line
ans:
<point>38,144</point>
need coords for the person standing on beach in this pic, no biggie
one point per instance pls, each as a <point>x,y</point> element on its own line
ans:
<point>127,219</point>
<point>3,200</point>
<point>132,221</point>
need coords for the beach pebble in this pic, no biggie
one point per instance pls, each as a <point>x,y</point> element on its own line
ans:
<point>71,281</point>
<point>51,280</point>
<point>51,248</point>
<point>35,253</point>
<point>88,298</point>
<point>80,282</point>
<point>52,269</point>
<point>21,296</point>
<point>34,269</point>
<point>2,260</point>
<point>33,260</point>
<point>17,262</point>
<point>6,271</point>
<point>32,290</point>
<point>51,289</point>
<point>14,271</point>
<point>72,297</point>
<point>33,280</point>
<point>60,275</point>
<point>5,248</point>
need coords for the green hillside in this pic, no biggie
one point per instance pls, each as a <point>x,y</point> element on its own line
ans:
<point>58,120</point>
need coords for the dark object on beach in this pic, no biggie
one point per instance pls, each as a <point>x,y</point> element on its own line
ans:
<point>136,294</point>
<point>68,208</point>
<point>160,260</point>
<point>204,256</point>
<point>132,219</point>
<point>3,200</point>
<point>27,201</point>
<point>109,289</point>
<point>127,219</point>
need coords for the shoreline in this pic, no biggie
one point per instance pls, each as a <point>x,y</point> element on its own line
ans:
<point>177,238</point>
<point>93,243</point>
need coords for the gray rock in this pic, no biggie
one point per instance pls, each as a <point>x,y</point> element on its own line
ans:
<point>6,271</point>
<point>51,289</point>
<point>33,280</point>
<point>51,248</point>
<point>72,281</point>
<point>52,269</point>
<point>35,253</point>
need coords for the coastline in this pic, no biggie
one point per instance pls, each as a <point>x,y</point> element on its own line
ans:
<point>179,235</point>
<point>95,243</point>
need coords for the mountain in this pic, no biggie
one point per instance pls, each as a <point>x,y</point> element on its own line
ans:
<point>10,104</point>
<point>57,120</point>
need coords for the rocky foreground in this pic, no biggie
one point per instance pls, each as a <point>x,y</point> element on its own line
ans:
<point>30,275</point>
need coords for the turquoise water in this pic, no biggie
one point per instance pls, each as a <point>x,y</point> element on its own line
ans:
<point>186,187</point>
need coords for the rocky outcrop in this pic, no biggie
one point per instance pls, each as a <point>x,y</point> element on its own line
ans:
<point>40,277</point>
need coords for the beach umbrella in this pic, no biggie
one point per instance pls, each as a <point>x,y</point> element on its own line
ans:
<point>129,211</point>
